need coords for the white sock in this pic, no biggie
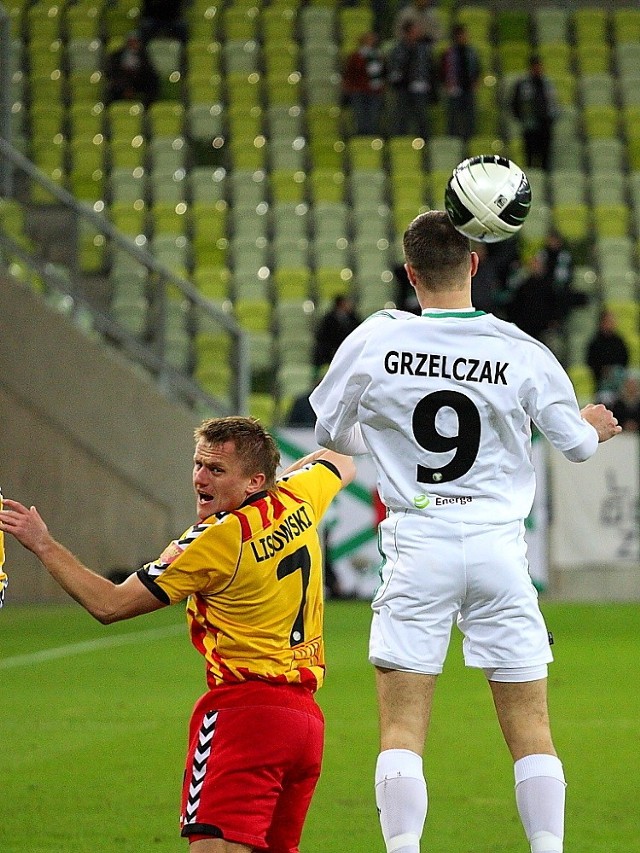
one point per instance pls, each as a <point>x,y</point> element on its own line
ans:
<point>401,797</point>
<point>540,795</point>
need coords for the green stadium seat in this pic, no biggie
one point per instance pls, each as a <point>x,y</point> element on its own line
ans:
<point>165,118</point>
<point>290,220</point>
<point>207,184</point>
<point>551,24</point>
<point>240,23</point>
<point>165,55</point>
<point>287,154</point>
<point>365,153</point>
<point>249,288</point>
<point>409,190</point>
<point>287,185</point>
<point>605,155</point>
<point>84,55</point>
<point>478,21</point>
<point>326,185</point>
<point>124,120</point>
<point>596,89</point>
<point>284,121</point>
<point>291,284</point>
<point>241,56</point>
<point>556,57</point>
<point>593,58</point>
<point>512,25</point>
<point>625,25</point>
<point>213,282</point>
<point>167,186</point>
<point>367,187</point>
<point>590,25</point>
<point>127,185</point>
<point>572,220</point>
<point>513,56</point>
<point>611,220</point>
<point>601,121</point>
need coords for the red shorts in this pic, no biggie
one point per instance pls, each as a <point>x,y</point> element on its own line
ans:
<point>255,753</point>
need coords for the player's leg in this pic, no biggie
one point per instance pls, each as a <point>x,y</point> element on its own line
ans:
<point>404,703</point>
<point>539,777</point>
<point>423,582</point>
<point>505,635</point>
<point>217,845</point>
<point>298,783</point>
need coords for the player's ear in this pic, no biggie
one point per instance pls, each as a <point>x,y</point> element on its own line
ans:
<point>256,483</point>
<point>410,274</point>
<point>475,263</point>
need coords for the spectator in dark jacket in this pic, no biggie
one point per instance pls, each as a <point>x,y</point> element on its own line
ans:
<point>607,355</point>
<point>534,104</point>
<point>333,328</point>
<point>413,77</point>
<point>460,72</point>
<point>129,73</point>
<point>626,405</point>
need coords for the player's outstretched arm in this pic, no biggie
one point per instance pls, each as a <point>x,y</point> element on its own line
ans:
<point>345,464</point>
<point>602,420</point>
<point>105,601</point>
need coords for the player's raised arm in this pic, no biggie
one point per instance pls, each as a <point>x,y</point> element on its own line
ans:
<point>344,464</point>
<point>105,601</point>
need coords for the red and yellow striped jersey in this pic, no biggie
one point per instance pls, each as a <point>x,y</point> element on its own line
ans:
<point>254,582</point>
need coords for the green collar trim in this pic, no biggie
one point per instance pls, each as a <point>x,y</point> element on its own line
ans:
<point>462,314</point>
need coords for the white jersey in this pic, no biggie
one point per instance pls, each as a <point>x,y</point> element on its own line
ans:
<point>445,402</point>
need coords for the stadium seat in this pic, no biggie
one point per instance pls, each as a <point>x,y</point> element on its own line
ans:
<point>593,58</point>
<point>611,220</point>
<point>330,220</point>
<point>590,25</point>
<point>551,24</point>
<point>326,185</point>
<point>601,121</point>
<point>596,89</point>
<point>292,284</point>
<point>368,187</point>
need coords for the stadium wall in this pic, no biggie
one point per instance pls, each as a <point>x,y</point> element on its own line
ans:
<point>96,447</point>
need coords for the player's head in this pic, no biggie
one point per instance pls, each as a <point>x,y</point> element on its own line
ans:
<point>437,256</point>
<point>234,458</point>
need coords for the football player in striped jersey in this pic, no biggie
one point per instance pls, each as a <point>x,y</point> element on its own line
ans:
<point>250,570</point>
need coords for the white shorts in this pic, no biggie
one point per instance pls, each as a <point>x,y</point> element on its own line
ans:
<point>435,573</point>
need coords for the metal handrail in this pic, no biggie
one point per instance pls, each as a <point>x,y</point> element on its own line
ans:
<point>143,353</point>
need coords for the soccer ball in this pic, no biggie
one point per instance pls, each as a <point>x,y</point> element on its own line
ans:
<point>488,198</point>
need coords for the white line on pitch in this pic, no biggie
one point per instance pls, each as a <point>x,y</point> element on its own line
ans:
<point>88,646</point>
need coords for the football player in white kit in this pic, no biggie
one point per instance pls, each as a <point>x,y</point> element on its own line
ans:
<point>444,402</point>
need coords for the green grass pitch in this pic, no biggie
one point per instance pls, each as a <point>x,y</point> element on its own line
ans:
<point>93,726</point>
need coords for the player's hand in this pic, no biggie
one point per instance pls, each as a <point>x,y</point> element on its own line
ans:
<point>25,525</point>
<point>602,420</point>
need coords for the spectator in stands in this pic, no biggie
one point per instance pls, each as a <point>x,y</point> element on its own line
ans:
<point>419,12</point>
<point>626,404</point>
<point>485,283</point>
<point>363,85</point>
<point>333,328</point>
<point>412,76</point>
<point>532,306</point>
<point>535,105</point>
<point>460,71</point>
<point>130,74</point>
<point>162,19</point>
<point>607,356</point>
<point>558,266</point>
